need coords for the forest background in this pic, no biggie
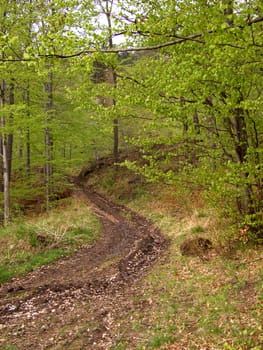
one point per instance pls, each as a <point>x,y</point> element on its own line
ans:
<point>181,81</point>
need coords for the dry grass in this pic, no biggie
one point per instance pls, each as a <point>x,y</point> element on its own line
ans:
<point>42,239</point>
<point>192,303</point>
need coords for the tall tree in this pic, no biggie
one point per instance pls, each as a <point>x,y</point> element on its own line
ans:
<point>214,74</point>
<point>106,8</point>
<point>4,155</point>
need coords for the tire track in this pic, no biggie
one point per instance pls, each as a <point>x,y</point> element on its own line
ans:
<point>129,245</point>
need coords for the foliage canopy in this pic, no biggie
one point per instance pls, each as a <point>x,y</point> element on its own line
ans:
<point>187,90</point>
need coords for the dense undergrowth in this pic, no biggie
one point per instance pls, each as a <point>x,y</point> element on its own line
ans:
<point>35,241</point>
<point>194,302</point>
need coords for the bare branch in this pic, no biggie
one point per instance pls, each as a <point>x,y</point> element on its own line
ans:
<point>130,78</point>
<point>131,49</point>
<point>255,20</point>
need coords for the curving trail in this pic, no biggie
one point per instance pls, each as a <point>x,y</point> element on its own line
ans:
<point>76,300</point>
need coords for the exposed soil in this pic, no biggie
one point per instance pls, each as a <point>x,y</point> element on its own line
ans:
<point>74,302</point>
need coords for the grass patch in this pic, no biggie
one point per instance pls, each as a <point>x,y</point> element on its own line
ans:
<point>119,347</point>
<point>199,305</point>
<point>28,262</point>
<point>197,229</point>
<point>41,240</point>
<point>192,303</point>
<point>7,347</point>
<point>160,339</point>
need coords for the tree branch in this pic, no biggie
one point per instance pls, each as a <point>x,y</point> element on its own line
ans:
<point>131,49</point>
<point>255,20</point>
<point>131,79</point>
<point>113,51</point>
<point>193,37</point>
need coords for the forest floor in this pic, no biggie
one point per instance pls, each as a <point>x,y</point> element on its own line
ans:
<point>132,289</point>
<point>76,299</point>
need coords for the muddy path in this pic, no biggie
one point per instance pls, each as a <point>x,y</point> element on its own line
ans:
<point>74,302</point>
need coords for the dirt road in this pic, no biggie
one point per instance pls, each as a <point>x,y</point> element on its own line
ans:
<point>75,302</point>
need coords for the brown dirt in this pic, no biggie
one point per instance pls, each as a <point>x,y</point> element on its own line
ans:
<point>198,246</point>
<point>74,303</point>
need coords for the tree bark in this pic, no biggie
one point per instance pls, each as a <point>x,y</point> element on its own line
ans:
<point>10,137</point>
<point>48,105</point>
<point>5,167</point>
<point>28,146</point>
<point>111,75</point>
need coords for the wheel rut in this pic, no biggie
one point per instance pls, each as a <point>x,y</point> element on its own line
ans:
<point>84,288</point>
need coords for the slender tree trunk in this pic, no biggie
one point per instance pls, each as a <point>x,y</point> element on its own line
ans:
<point>48,105</point>
<point>241,148</point>
<point>5,167</point>
<point>28,147</point>
<point>116,140</point>
<point>196,122</point>
<point>6,181</point>
<point>1,166</point>
<point>241,136</point>
<point>259,172</point>
<point>10,137</point>
<point>28,151</point>
<point>70,151</point>
<point>112,79</point>
<point>64,151</point>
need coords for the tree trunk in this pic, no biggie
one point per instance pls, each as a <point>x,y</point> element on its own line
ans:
<point>1,166</point>
<point>196,123</point>
<point>241,149</point>
<point>28,151</point>
<point>112,79</point>
<point>48,105</point>
<point>10,137</point>
<point>116,140</point>
<point>28,147</point>
<point>5,167</point>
